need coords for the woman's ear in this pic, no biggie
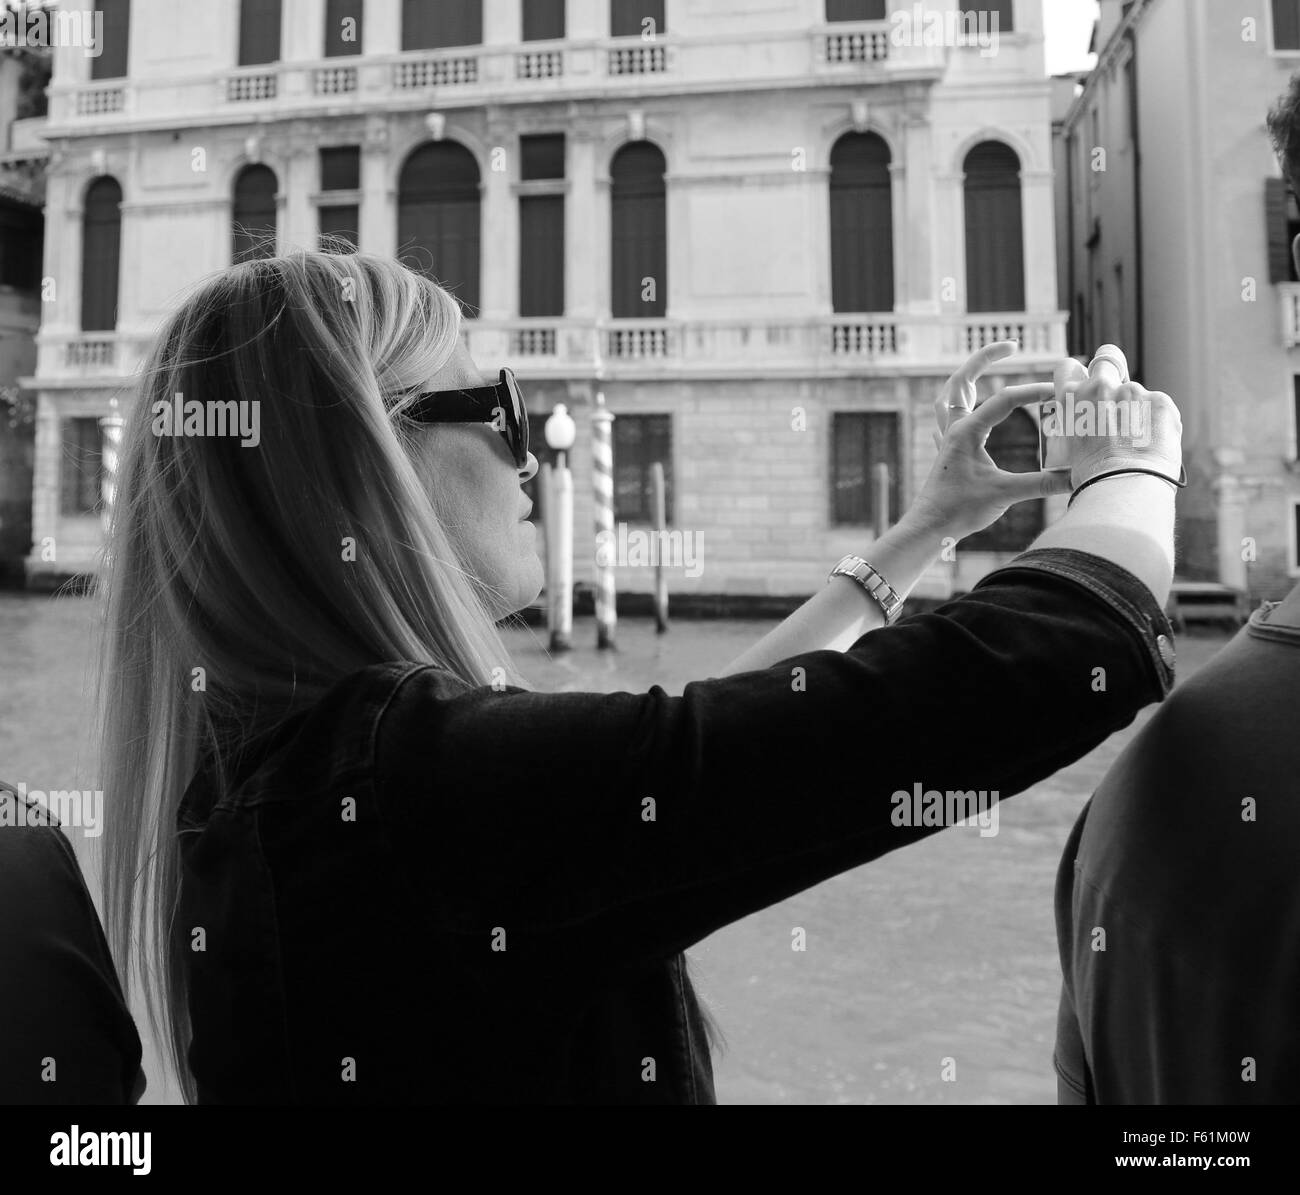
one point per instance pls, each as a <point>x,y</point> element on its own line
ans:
<point>1295,254</point>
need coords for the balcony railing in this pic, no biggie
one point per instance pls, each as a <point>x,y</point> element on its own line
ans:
<point>74,356</point>
<point>1288,294</point>
<point>439,70</point>
<point>334,80</point>
<point>737,346</point>
<point>539,64</point>
<point>832,343</point>
<point>100,99</point>
<point>591,67</point>
<point>251,86</point>
<point>856,43</point>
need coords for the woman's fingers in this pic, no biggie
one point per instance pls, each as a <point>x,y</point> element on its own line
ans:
<point>981,359</point>
<point>990,413</point>
<point>1019,487</point>
<point>957,394</point>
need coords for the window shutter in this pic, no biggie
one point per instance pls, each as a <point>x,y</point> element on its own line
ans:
<point>543,20</point>
<point>336,12</point>
<point>340,168</point>
<point>100,255</point>
<point>1286,24</point>
<point>638,442</point>
<point>259,32</point>
<point>435,24</point>
<point>862,227</point>
<point>1002,9</point>
<point>438,217</point>
<point>626,17</point>
<point>111,63</point>
<point>639,246</point>
<point>1275,221</point>
<point>860,441</point>
<point>995,255</point>
<point>541,256</point>
<point>253,217</point>
<point>340,222</point>
<point>855,10</point>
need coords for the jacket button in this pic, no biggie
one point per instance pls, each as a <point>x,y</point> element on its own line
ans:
<point>1166,650</point>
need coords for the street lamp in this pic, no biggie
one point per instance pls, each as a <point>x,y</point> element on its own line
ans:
<point>560,431</point>
<point>557,502</point>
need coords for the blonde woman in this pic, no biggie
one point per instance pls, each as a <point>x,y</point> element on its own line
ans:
<point>356,860</point>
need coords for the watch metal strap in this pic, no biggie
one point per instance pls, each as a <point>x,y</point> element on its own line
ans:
<point>874,583</point>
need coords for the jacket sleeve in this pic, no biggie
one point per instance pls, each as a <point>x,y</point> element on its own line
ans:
<point>597,830</point>
<point>66,1034</point>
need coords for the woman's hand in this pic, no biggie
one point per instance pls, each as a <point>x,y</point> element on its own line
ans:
<point>965,491</point>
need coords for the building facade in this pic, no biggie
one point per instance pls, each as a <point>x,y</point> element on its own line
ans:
<point>764,230</point>
<point>23,76</point>
<point>1176,245</point>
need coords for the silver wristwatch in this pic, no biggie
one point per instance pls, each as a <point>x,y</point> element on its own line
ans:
<point>870,580</point>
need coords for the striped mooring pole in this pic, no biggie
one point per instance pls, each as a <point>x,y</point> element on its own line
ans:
<point>110,432</point>
<point>602,479</point>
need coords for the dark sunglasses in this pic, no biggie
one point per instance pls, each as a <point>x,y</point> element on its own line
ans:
<point>479,404</point>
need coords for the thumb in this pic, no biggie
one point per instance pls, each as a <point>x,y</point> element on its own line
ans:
<point>1020,487</point>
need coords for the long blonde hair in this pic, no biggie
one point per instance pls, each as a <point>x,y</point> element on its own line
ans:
<point>243,582</point>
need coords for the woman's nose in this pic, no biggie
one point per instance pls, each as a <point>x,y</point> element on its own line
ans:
<point>529,469</point>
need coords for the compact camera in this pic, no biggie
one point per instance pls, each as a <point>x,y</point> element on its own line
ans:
<point>1054,415</point>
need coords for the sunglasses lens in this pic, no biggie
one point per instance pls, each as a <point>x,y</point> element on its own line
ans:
<point>520,430</point>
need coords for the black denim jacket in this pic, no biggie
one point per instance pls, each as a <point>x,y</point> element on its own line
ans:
<point>421,891</point>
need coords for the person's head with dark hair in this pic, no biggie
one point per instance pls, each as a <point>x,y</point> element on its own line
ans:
<point>1284,130</point>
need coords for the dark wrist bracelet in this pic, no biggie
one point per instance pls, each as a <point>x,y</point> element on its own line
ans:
<point>1180,483</point>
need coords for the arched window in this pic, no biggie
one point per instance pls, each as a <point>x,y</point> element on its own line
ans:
<point>638,232</point>
<point>101,246</point>
<point>438,216</point>
<point>253,215</point>
<point>862,225</point>
<point>995,254</point>
<point>1013,445</point>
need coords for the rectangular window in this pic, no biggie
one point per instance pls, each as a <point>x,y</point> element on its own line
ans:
<point>987,11</point>
<point>541,227</point>
<point>541,255</point>
<point>1295,537</point>
<point>1282,224</point>
<point>427,25</point>
<point>636,18</point>
<point>81,473</point>
<point>859,442</point>
<point>343,27</point>
<point>1295,416</point>
<point>1286,24</point>
<point>21,233</point>
<point>341,222</point>
<point>111,62</point>
<point>259,32</point>
<point>541,155</point>
<point>855,10</point>
<point>340,168</point>
<point>640,441</point>
<point>543,20</point>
